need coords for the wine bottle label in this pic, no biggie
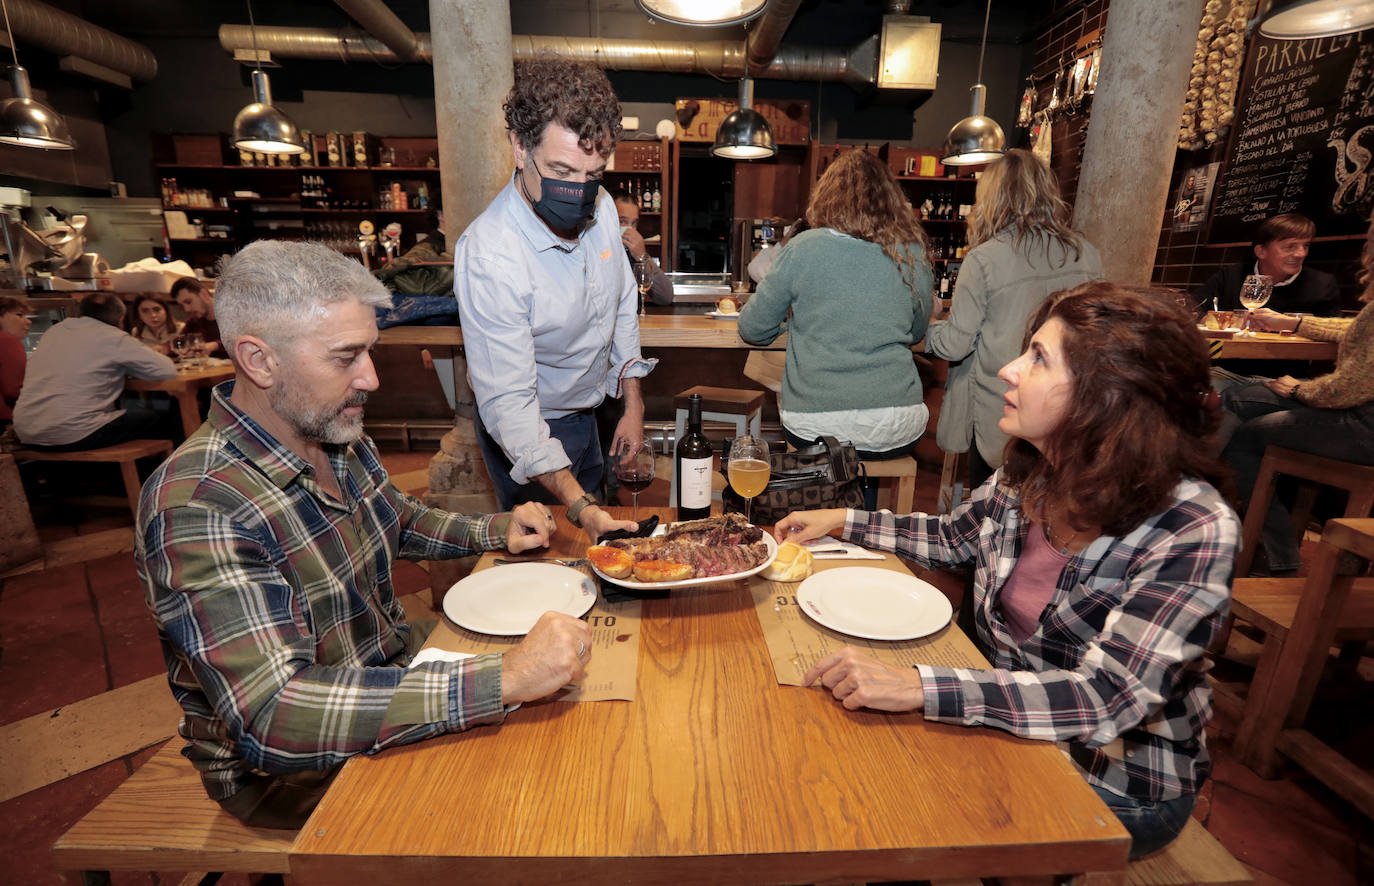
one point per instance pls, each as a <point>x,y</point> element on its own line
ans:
<point>694,486</point>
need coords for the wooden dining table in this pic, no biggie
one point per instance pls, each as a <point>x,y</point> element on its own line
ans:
<point>714,773</point>
<point>1267,346</point>
<point>184,387</point>
<point>655,331</point>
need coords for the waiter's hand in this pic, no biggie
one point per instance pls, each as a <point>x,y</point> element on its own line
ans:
<point>629,433</point>
<point>597,522</point>
<point>531,526</point>
<point>634,242</point>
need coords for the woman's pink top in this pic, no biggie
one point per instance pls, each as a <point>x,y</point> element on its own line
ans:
<point>1030,587</point>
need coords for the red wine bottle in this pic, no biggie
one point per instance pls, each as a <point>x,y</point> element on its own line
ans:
<point>693,461</point>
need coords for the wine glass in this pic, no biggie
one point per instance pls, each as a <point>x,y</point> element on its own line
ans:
<point>179,346</point>
<point>748,468</point>
<point>195,341</point>
<point>645,280</point>
<point>1254,293</point>
<point>635,471</point>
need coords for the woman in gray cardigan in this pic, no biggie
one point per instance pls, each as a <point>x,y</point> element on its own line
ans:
<point>853,293</point>
<point>1023,250</point>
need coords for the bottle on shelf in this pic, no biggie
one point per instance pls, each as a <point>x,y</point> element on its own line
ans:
<point>693,461</point>
<point>646,197</point>
<point>657,203</point>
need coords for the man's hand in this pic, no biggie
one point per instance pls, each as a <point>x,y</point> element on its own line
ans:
<point>597,522</point>
<point>1283,386</point>
<point>553,654</point>
<point>863,682</point>
<point>1272,321</point>
<point>531,526</point>
<point>800,526</point>
<point>629,433</point>
<point>634,242</point>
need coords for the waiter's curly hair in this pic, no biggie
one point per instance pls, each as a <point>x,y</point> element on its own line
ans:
<point>575,95</point>
<point>1140,415</point>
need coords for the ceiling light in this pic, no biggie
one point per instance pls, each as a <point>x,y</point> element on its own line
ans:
<point>1318,18</point>
<point>744,134</point>
<point>25,121</point>
<point>976,138</point>
<point>261,127</point>
<point>703,13</point>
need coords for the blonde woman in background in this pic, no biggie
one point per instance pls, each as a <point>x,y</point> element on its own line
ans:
<point>1023,250</point>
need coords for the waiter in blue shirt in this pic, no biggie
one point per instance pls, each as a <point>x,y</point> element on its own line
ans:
<point>548,301</point>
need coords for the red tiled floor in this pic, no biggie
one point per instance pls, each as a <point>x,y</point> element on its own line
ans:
<point>52,648</point>
<point>130,638</point>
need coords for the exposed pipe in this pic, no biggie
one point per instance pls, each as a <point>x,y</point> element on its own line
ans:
<point>765,37</point>
<point>379,21</point>
<point>61,33</point>
<point>725,59</point>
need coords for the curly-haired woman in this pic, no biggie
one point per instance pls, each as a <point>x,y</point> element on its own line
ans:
<point>1023,249</point>
<point>1102,555</point>
<point>853,294</point>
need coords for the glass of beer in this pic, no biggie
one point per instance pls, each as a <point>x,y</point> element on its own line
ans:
<point>748,468</point>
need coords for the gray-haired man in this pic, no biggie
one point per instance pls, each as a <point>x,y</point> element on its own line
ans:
<point>266,545</point>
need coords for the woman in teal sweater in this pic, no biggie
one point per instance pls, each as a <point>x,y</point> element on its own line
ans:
<point>858,288</point>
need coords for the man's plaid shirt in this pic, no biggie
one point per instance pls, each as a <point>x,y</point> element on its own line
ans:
<point>284,641</point>
<point>1115,669</point>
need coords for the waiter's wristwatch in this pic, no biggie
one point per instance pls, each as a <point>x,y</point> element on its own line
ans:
<point>576,508</point>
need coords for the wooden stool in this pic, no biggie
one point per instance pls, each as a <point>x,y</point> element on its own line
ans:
<point>160,819</point>
<point>953,473</point>
<point>742,408</point>
<point>904,490</point>
<point>1358,480</point>
<point>123,454</point>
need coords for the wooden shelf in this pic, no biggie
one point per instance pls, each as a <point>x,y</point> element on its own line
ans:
<point>203,239</point>
<point>370,210</point>
<point>196,209</point>
<point>300,168</point>
<point>936,178</point>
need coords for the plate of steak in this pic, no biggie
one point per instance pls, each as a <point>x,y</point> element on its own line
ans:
<point>722,548</point>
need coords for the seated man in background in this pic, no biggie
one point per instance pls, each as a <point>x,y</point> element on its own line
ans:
<point>14,325</point>
<point>75,377</point>
<point>1280,248</point>
<point>266,544</point>
<point>628,209</point>
<point>199,306</point>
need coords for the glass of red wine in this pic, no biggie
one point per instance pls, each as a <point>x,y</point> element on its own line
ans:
<point>635,471</point>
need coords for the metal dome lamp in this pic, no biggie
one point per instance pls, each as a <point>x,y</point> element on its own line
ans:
<point>25,121</point>
<point>261,127</point>
<point>976,138</point>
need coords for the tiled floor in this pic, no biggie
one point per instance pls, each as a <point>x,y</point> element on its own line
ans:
<point>75,630</point>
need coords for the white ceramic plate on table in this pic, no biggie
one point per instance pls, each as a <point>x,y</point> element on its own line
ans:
<point>506,601</point>
<point>874,604</point>
<point>631,583</point>
<point>719,316</point>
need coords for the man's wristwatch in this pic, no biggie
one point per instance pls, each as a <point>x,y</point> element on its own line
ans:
<point>576,508</point>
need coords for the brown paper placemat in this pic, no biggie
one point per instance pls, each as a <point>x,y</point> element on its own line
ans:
<point>613,667</point>
<point>795,642</point>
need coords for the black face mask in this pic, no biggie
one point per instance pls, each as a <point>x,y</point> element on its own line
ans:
<point>563,204</point>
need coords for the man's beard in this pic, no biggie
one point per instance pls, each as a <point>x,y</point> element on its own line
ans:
<point>323,424</point>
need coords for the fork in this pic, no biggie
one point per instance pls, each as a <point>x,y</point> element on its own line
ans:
<point>501,561</point>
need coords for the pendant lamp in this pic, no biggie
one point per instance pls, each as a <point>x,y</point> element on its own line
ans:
<point>744,134</point>
<point>976,138</point>
<point>260,127</point>
<point>25,121</point>
<point>703,13</point>
<point>1317,18</point>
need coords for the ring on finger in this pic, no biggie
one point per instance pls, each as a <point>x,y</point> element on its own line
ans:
<point>581,648</point>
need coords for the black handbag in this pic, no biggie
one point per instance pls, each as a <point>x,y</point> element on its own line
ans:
<point>827,474</point>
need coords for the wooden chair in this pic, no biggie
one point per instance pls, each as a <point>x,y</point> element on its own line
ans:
<point>160,819</point>
<point>123,454</point>
<point>903,470</point>
<point>1194,859</point>
<point>1329,608</point>
<point>1358,480</point>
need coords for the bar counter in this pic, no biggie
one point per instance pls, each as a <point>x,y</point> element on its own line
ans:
<point>656,330</point>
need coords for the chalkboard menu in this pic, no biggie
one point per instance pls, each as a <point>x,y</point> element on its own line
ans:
<point>1304,137</point>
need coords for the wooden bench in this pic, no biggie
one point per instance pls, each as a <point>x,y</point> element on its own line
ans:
<point>160,819</point>
<point>1194,859</point>
<point>123,454</point>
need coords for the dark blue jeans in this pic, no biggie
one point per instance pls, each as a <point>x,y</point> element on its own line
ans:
<point>1344,434</point>
<point>134,424</point>
<point>577,433</point>
<point>1152,826</point>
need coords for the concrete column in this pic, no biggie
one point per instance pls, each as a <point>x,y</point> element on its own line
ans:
<point>473,72</point>
<point>1129,154</point>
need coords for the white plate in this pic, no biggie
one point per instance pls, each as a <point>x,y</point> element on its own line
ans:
<point>719,316</point>
<point>689,582</point>
<point>875,604</point>
<point>508,600</point>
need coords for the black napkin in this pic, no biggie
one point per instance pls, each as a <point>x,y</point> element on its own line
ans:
<point>646,528</point>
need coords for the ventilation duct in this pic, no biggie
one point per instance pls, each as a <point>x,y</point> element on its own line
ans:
<point>64,34</point>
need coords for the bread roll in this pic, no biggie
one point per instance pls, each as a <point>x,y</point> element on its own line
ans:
<point>793,563</point>
<point>662,570</point>
<point>614,562</point>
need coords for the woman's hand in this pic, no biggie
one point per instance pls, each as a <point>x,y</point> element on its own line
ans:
<point>863,682</point>
<point>531,526</point>
<point>1273,321</point>
<point>1283,386</point>
<point>800,526</point>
